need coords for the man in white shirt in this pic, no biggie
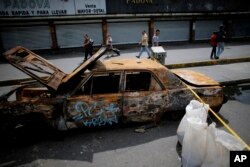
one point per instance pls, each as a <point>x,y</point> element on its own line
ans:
<point>155,39</point>
<point>110,46</point>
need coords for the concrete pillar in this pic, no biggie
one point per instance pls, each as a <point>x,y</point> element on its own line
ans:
<point>228,28</point>
<point>151,29</point>
<point>52,28</point>
<point>104,30</point>
<point>1,45</point>
<point>192,31</point>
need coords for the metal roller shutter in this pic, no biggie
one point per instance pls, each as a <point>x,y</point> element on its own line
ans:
<point>126,33</point>
<point>173,30</point>
<point>36,37</point>
<point>72,35</point>
<point>204,29</point>
<point>241,28</point>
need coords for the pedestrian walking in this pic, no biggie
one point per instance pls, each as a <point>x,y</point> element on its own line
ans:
<point>213,42</point>
<point>144,45</point>
<point>88,46</point>
<point>109,44</point>
<point>221,35</point>
<point>155,39</point>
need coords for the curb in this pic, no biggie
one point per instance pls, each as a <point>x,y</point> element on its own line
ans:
<point>171,66</point>
<point>209,63</point>
<point>235,82</point>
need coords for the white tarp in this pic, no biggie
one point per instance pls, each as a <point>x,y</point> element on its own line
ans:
<point>203,145</point>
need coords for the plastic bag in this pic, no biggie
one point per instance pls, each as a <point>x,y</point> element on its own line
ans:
<point>194,143</point>
<point>193,109</point>
<point>219,144</point>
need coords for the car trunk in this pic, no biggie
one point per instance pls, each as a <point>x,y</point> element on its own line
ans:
<point>195,78</point>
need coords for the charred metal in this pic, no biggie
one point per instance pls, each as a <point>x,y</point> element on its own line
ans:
<point>108,93</point>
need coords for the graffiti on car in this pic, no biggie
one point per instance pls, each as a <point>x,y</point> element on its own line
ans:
<point>98,113</point>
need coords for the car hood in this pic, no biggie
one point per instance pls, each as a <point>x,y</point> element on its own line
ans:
<point>195,78</point>
<point>44,71</point>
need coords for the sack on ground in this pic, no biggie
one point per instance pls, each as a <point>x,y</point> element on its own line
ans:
<point>219,144</point>
<point>193,109</point>
<point>194,143</point>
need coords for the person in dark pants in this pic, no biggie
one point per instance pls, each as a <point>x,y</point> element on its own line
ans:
<point>213,42</point>
<point>88,46</point>
<point>221,35</point>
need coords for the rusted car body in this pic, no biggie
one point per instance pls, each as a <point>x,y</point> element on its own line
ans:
<point>106,92</point>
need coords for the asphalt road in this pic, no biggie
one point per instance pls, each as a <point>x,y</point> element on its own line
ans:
<point>116,146</point>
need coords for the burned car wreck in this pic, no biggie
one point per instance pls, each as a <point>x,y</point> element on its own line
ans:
<point>106,92</point>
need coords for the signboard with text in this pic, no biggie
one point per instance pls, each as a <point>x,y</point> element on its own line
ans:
<point>25,8</point>
<point>32,8</point>
<point>90,7</point>
<point>175,6</point>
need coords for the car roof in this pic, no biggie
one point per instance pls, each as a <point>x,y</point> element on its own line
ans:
<point>128,64</point>
<point>166,77</point>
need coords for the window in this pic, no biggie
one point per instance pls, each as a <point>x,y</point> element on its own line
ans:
<point>101,83</point>
<point>154,86</point>
<point>137,81</point>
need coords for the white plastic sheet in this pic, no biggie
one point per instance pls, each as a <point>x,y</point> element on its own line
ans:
<point>194,143</point>
<point>219,144</point>
<point>194,109</point>
<point>203,145</point>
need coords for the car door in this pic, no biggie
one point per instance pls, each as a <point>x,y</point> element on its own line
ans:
<point>144,97</point>
<point>97,102</point>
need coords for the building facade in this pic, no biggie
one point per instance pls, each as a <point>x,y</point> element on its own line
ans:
<point>46,24</point>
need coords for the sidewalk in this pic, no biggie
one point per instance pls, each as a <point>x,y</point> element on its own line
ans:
<point>186,55</point>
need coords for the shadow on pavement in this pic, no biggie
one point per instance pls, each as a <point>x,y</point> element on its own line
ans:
<point>43,142</point>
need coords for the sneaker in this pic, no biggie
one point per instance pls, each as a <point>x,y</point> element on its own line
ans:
<point>149,57</point>
<point>137,57</point>
<point>217,57</point>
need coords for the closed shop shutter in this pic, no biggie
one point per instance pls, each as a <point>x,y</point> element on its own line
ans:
<point>72,35</point>
<point>35,37</point>
<point>241,28</point>
<point>173,30</point>
<point>127,33</point>
<point>204,29</point>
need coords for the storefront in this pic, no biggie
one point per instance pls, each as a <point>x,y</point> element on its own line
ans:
<point>173,30</point>
<point>33,37</point>
<point>241,28</point>
<point>204,28</point>
<point>72,35</point>
<point>127,32</point>
<point>44,24</point>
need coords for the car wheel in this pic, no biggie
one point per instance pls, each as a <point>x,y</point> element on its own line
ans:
<point>175,115</point>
